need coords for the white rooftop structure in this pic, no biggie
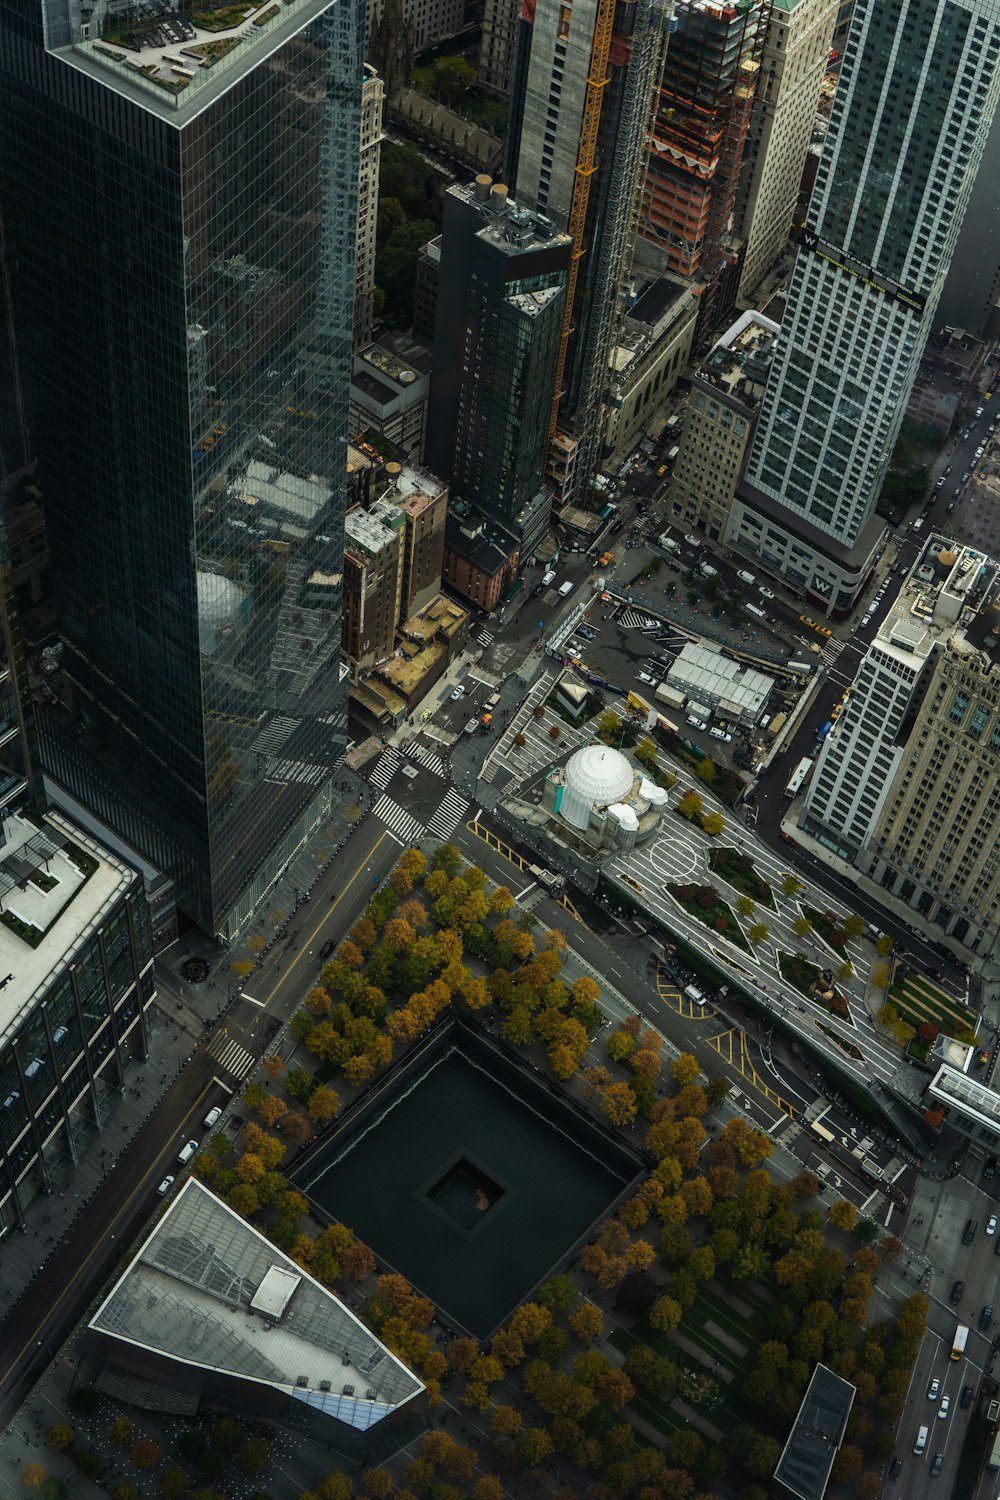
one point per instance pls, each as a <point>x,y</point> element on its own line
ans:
<point>87,882</point>
<point>278,490</point>
<point>595,776</point>
<point>704,673</point>
<point>207,1290</point>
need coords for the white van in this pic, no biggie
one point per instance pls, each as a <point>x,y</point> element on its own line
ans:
<point>186,1152</point>
<point>565,589</point>
<point>746,577</point>
<point>921,1442</point>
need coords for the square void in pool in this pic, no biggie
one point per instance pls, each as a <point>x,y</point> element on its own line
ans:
<point>470,1176</point>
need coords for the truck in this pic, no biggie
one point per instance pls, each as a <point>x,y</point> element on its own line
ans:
<point>799,777</point>
<point>694,994</point>
<point>565,589</point>
<point>668,544</point>
<point>776,725</point>
<point>756,611</point>
<point>669,695</point>
<point>672,454</point>
<point>959,1342</point>
<point>707,571</point>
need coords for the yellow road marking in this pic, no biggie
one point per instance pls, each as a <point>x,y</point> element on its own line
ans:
<point>732,1048</point>
<point>324,919</point>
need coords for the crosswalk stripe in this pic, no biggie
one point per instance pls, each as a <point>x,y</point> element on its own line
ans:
<point>427,757</point>
<point>486,638</point>
<point>232,1056</point>
<point>448,815</point>
<point>398,821</point>
<point>385,768</point>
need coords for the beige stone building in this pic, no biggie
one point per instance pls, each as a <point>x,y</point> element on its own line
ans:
<point>725,393</point>
<point>651,355</point>
<point>796,49</point>
<point>908,784</point>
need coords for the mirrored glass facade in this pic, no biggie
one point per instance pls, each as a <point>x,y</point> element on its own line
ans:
<point>182,280</point>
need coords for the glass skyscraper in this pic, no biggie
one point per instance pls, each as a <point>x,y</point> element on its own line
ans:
<point>178,188</point>
<point>918,88</point>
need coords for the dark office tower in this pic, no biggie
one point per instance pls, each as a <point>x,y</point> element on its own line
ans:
<point>918,89</point>
<point>179,203</point>
<point>583,81</point>
<point>706,92</point>
<point>496,340</point>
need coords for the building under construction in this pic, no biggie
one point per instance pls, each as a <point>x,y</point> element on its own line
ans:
<point>583,85</point>
<point>711,63</point>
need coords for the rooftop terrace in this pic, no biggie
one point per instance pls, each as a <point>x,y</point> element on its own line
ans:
<point>172,48</point>
<point>55,887</point>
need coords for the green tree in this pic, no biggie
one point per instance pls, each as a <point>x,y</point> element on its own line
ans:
<point>453,77</point>
<point>758,932</point>
<point>802,926</point>
<point>121,1432</point>
<point>396,266</point>
<point>609,725</point>
<point>791,885</point>
<point>645,753</point>
<point>706,770</point>
<point>60,1437</point>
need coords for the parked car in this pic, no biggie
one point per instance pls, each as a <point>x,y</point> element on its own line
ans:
<point>955,1295</point>
<point>214,1114</point>
<point>767,593</point>
<point>986,1317</point>
<point>692,540</point>
<point>186,1152</point>
<point>991,1224</point>
<point>695,723</point>
<point>165,1186</point>
<point>720,734</point>
<point>645,678</point>
<point>967,1394</point>
<point>458,692</point>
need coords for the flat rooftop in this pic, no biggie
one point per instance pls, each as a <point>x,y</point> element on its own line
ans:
<point>171,60</point>
<point>951,594</point>
<point>804,1467</point>
<point>56,885</point>
<point>207,1290</point>
<point>742,353</point>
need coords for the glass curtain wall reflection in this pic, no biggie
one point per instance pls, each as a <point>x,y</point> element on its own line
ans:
<point>182,278</point>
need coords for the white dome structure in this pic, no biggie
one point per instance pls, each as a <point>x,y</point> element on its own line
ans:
<point>649,791</point>
<point>595,776</point>
<point>220,607</point>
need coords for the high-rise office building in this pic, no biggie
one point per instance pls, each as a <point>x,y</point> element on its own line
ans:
<point>497,331</point>
<point>725,392</point>
<point>906,787</point>
<point>178,205</point>
<point>497,45</point>
<point>918,87</point>
<point>796,49</point>
<point>583,81</point>
<point>707,84</point>
<point>372,107</point>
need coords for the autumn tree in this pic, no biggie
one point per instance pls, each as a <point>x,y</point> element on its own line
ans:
<point>587,1323</point>
<point>121,1432</point>
<point>60,1437</point>
<point>843,1214</point>
<point>145,1454</point>
<point>685,1069</point>
<point>802,926</point>
<point>618,1103</point>
<point>713,823</point>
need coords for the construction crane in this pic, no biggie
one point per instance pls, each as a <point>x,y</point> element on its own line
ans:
<point>597,79</point>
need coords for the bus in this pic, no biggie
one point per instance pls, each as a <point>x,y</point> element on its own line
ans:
<point>799,776</point>
<point>959,1342</point>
